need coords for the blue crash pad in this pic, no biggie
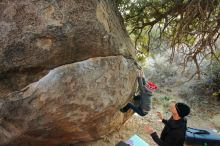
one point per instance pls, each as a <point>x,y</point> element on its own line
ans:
<point>201,136</point>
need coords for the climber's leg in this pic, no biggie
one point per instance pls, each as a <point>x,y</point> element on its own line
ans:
<point>136,98</point>
<point>126,108</point>
<point>136,109</point>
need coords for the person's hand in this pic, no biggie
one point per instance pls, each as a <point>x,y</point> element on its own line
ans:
<point>142,73</point>
<point>149,129</point>
<point>160,115</point>
<point>138,73</point>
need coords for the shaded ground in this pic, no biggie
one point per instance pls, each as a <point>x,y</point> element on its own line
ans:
<point>200,117</point>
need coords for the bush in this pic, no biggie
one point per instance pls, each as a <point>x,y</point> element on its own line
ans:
<point>165,101</point>
<point>208,85</point>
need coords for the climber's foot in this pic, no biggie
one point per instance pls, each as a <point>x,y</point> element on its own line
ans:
<point>122,110</point>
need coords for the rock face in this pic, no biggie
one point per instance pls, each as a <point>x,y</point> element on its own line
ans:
<point>39,35</point>
<point>72,103</point>
<point>65,70</point>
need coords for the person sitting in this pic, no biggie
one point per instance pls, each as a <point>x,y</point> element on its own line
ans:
<point>143,99</point>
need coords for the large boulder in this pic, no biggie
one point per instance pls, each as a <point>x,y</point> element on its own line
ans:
<point>72,103</point>
<point>66,68</point>
<point>39,35</point>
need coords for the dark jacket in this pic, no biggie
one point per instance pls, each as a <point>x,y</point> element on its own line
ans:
<point>145,95</point>
<point>173,133</point>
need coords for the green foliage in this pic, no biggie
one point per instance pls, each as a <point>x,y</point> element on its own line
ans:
<point>141,58</point>
<point>188,26</point>
<point>165,100</point>
<point>217,93</point>
<point>208,86</point>
<point>213,78</point>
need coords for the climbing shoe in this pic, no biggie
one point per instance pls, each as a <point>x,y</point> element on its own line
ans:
<point>122,110</point>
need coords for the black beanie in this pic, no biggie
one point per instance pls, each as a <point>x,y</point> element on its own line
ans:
<point>182,109</point>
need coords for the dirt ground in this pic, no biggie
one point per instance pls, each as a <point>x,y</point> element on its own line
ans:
<point>200,117</point>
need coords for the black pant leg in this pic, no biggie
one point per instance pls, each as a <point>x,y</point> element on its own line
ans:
<point>136,98</point>
<point>126,108</point>
<point>136,109</point>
